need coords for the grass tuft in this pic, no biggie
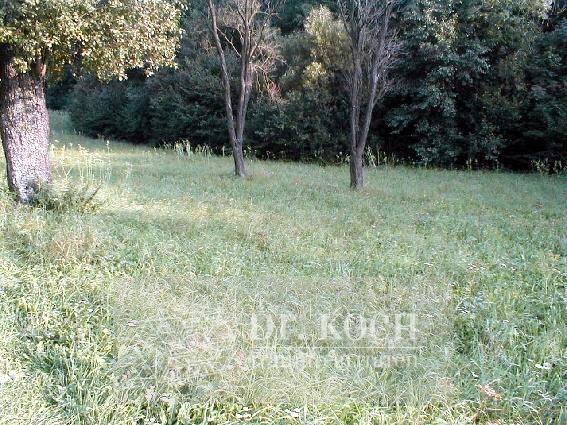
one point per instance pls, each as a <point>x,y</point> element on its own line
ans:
<point>79,199</point>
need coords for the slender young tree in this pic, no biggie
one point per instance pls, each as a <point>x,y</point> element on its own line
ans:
<point>373,49</point>
<point>38,38</point>
<point>244,26</point>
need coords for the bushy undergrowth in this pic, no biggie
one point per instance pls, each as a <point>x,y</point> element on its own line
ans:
<point>62,199</point>
<point>120,315</point>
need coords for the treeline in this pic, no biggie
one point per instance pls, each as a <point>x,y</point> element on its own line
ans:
<point>479,83</point>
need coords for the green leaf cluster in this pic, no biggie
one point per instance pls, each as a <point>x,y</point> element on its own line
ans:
<point>105,37</point>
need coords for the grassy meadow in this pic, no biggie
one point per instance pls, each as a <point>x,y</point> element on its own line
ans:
<point>136,308</point>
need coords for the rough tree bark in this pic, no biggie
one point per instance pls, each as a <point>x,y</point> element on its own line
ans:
<point>356,171</point>
<point>238,155</point>
<point>24,127</point>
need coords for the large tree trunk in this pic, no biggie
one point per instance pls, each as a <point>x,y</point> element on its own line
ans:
<point>356,173</point>
<point>238,155</point>
<point>24,128</point>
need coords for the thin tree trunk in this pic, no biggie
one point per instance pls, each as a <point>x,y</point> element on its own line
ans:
<point>238,155</point>
<point>24,128</point>
<point>235,129</point>
<point>356,173</point>
<point>238,144</point>
<point>373,50</point>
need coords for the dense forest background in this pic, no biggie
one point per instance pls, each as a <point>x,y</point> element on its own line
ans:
<point>481,83</point>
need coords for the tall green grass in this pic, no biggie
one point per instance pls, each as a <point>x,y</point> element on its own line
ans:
<point>138,311</point>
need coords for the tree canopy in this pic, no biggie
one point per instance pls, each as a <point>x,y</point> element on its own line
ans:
<point>481,83</point>
<point>105,37</point>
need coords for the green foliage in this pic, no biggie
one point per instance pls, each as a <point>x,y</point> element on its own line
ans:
<point>59,91</point>
<point>317,57</point>
<point>465,88</point>
<point>96,109</point>
<point>188,104</point>
<point>105,37</point>
<point>481,84</point>
<point>294,12</point>
<point>306,121</point>
<point>541,128</point>
<point>171,106</point>
<point>293,128</point>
